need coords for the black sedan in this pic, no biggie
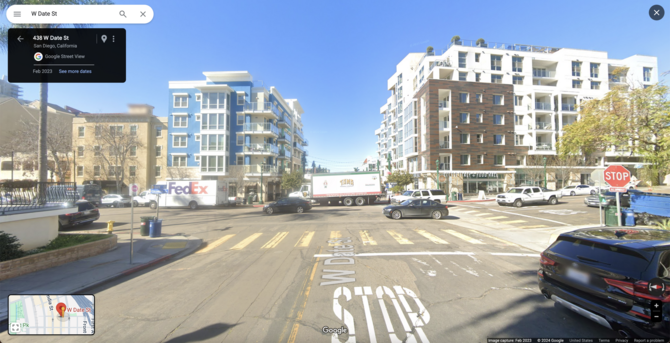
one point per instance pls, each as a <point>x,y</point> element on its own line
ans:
<point>298,205</point>
<point>609,198</point>
<point>86,214</point>
<point>413,208</point>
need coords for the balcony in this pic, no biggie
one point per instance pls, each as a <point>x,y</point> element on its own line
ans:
<point>259,129</point>
<point>284,122</point>
<point>444,105</point>
<point>284,154</point>
<point>299,134</point>
<point>445,145</point>
<point>260,149</point>
<point>286,138</point>
<point>540,125</point>
<point>543,106</point>
<point>616,79</point>
<point>298,146</point>
<point>305,142</point>
<point>260,108</point>
<point>445,125</point>
<point>543,146</point>
<point>542,73</point>
<point>258,169</point>
<point>569,107</point>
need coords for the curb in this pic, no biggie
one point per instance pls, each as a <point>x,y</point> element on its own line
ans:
<point>471,200</point>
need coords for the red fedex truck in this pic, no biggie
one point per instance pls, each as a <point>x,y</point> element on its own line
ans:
<point>191,194</point>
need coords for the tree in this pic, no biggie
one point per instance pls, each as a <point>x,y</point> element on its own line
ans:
<point>44,87</point>
<point>536,171</point>
<point>180,173</point>
<point>563,167</point>
<point>114,149</point>
<point>292,180</point>
<point>401,178</point>
<point>634,118</point>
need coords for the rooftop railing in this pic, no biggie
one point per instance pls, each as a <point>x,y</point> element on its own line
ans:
<point>504,46</point>
<point>27,196</point>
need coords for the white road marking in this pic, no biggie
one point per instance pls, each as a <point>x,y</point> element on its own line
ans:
<point>463,237</point>
<point>471,212</point>
<point>482,214</point>
<point>436,260</point>
<point>499,217</point>
<point>518,214</point>
<point>343,314</point>
<point>368,319</point>
<point>469,270</point>
<point>513,254</point>
<point>562,212</point>
<point>385,314</point>
<point>429,253</point>
<point>513,222</point>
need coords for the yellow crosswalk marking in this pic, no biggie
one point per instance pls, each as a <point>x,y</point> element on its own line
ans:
<point>493,237</point>
<point>463,237</point>
<point>334,235</point>
<point>531,227</point>
<point>398,237</point>
<point>431,237</point>
<point>305,239</point>
<point>513,222</point>
<point>499,217</point>
<point>366,238</point>
<point>241,245</point>
<point>483,214</point>
<point>215,244</point>
<point>275,240</point>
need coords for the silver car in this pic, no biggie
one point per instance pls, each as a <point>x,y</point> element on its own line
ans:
<point>116,200</point>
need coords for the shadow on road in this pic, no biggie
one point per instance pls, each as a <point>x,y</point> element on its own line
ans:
<point>202,334</point>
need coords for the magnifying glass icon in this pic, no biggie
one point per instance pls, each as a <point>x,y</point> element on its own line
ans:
<point>123,14</point>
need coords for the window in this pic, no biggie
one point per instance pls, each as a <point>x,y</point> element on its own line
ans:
<point>477,57</point>
<point>240,140</point>
<point>517,64</point>
<point>180,101</point>
<point>518,100</point>
<point>158,171</point>
<point>496,62</point>
<point>179,141</point>
<point>595,84</point>
<point>465,138</point>
<point>133,150</point>
<point>576,69</point>
<point>576,84</point>
<point>213,121</point>
<point>499,139</point>
<point>116,130</point>
<point>478,77</point>
<point>518,140</point>
<point>498,119</point>
<point>465,159</point>
<point>179,161</point>
<point>646,74</point>
<point>80,151</point>
<point>496,78</point>
<point>499,160</point>
<point>240,99</point>
<point>518,120</point>
<point>480,98</point>
<point>400,79</point>
<point>480,159</point>
<point>240,119</point>
<point>96,150</point>
<point>198,97</point>
<point>132,171</point>
<point>479,118</point>
<point>180,120</point>
<point>594,69</point>
<point>159,151</point>
<point>479,138</point>
<point>80,171</point>
<point>463,97</point>
<point>462,76</point>
<point>240,160</point>
<point>98,130</point>
<point>461,59</point>
<point>159,131</point>
<point>133,130</point>
<point>212,142</point>
<point>517,80</point>
<point>96,171</point>
<point>197,138</point>
<point>81,130</point>
<point>465,118</point>
<point>497,99</point>
<point>211,163</point>
<point>213,100</point>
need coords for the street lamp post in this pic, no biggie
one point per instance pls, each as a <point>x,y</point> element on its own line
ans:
<point>260,197</point>
<point>437,164</point>
<point>545,171</point>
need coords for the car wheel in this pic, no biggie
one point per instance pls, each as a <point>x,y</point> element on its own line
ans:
<point>348,201</point>
<point>593,192</point>
<point>115,204</point>
<point>135,203</point>
<point>396,215</point>
<point>193,205</point>
<point>153,205</point>
<point>360,201</point>
<point>573,193</point>
<point>269,210</point>
<point>437,215</point>
<point>518,203</point>
<point>299,209</point>
<point>553,201</point>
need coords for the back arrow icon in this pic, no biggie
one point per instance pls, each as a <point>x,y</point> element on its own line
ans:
<point>20,39</point>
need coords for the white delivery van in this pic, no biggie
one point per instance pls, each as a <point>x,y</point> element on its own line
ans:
<point>358,188</point>
<point>191,194</point>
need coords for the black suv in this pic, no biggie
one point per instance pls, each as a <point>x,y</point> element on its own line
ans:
<point>604,274</point>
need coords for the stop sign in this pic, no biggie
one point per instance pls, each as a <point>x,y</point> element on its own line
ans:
<point>617,176</point>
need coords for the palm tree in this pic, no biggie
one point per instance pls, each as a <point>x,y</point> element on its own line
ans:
<point>44,87</point>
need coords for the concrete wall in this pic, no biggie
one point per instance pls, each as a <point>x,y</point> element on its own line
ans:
<point>32,232</point>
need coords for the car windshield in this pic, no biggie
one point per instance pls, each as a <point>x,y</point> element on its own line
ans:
<point>569,187</point>
<point>515,190</point>
<point>406,202</point>
<point>408,193</point>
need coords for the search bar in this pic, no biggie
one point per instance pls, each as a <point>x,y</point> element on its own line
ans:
<point>80,14</point>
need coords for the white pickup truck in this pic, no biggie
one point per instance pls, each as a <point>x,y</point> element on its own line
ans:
<point>519,196</point>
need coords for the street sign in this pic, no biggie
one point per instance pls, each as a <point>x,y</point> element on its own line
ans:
<point>618,189</point>
<point>617,176</point>
<point>156,191</point>
<point>134,189</point>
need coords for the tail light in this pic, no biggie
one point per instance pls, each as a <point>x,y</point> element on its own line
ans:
<point>638,289</point>
<point>83,198</point>
<point>445,206</point>
<point>545,261</point>
<point>71,214</point>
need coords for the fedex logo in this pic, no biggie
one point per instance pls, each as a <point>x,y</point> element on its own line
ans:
<point>190,188</point>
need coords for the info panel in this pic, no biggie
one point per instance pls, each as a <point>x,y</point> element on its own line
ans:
<point>66,55</point>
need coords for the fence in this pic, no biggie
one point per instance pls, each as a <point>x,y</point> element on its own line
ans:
<point>22,196</point>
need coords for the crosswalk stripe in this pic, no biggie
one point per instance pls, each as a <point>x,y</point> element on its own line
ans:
<point>366,238</point>
<point>499,217</point>
<point>463,237</point>
<point>483,214</point>
<point>241,245</point>
<point>215,244</point>
<point>334,235</point>
<point>493,237</point>
<point>398,237</point>
<point>305,239</point>
<point>431,237</point>
<point>531,227</point>
<point>470,211</point>
<point>513,222</point>
<point>275,240</point>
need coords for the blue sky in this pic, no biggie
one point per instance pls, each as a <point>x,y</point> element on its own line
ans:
<point>335,57</point>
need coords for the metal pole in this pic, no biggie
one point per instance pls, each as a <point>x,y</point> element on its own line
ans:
<point>618,209</point>
<point>158,204</point>
<point>13,166</point>
<point>260,197</point>
<point>437,165</point>
<point>600,205</point>
<point>132,220</point>
<point>545,172</point>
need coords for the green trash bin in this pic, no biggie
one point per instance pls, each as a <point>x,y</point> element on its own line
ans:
<point>610,216</point>
<point>144,225</point>
<point>250,200</point>
<point>454,196</point>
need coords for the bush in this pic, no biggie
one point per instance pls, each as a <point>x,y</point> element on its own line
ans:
<point>10,248</point>
<point>68,240</point>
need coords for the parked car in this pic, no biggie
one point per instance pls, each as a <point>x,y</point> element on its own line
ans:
<point>234,201</point>
<point>630,185</point>
<point>607,274</point>
<point>609,198</point>
<point>436,195</point>
<point>115,200</point>
<point>519,196</point>
<point>142,199</point>
<point>579,190</point>
<point>417,208</point>
<point>86,214</point>
<point>292,204</point>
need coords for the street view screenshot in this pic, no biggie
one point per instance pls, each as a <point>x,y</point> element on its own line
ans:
<point>352,171</point>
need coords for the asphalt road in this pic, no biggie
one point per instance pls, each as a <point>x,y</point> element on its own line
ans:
<point>266,278</point>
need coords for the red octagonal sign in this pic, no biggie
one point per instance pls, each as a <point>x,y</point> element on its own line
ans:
<point>617,176</point>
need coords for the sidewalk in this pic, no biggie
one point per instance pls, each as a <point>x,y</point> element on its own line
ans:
<point>78,275</point>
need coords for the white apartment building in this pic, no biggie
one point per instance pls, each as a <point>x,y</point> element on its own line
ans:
<point>548,84</point>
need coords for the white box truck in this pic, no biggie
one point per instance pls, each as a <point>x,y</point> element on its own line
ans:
<point>358,188</point>
<point>191,194</point>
